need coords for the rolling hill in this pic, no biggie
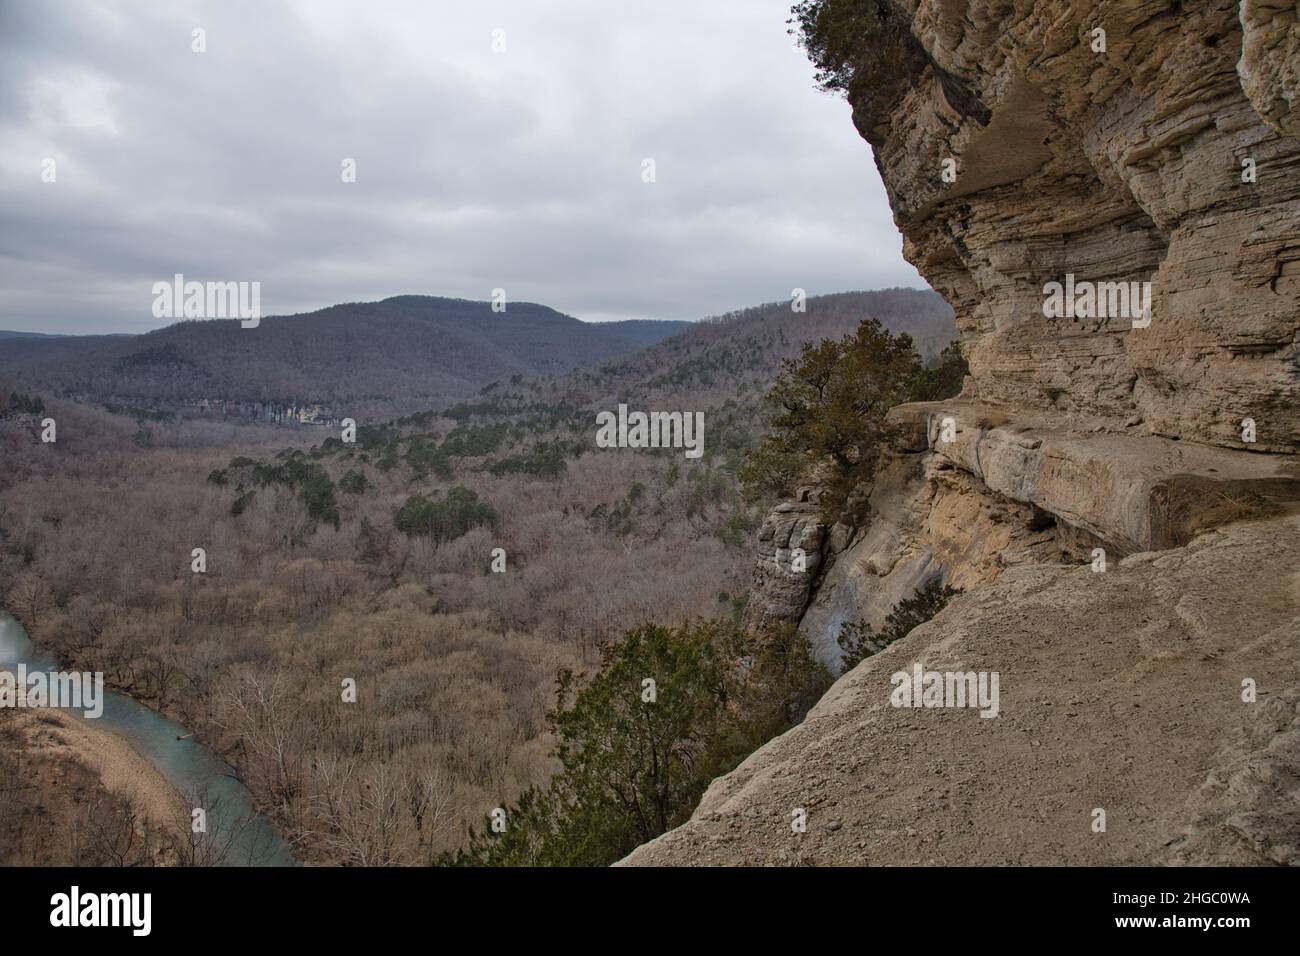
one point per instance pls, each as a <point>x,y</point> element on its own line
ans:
<point>735,357</point>
<point>369,358</point>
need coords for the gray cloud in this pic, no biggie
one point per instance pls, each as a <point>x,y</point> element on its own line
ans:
<point>475,169</point>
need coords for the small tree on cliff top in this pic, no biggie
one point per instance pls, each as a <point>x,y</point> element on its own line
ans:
<point>840,36</point>
<point>830,407</point>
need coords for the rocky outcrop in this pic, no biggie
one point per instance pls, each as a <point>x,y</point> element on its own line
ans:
<point>928,521</point>
<point>279,413</point>
<point>970,492</point>
<point>1029,143</point>
<point>789,555</point>
<point>1129,493</point>
<point>1270,61</point>
<point>1030,147</point>
<point>1145,160</point>
<point>276,413</point>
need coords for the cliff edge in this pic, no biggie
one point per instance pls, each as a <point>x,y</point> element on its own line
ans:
<point>1107,194</point>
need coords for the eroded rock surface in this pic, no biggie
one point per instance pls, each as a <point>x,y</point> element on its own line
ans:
<point>1122,165</point>
<point>789,555</point>
<point>1119,691</point>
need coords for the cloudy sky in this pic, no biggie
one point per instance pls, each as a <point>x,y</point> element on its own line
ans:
<point>475,168</point>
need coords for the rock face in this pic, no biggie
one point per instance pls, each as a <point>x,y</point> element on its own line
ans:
<point>1028,143</point>
<point>1270,61</point>
<point>1093,144</point>
<point>1115,165</point>
<point>790,545</point>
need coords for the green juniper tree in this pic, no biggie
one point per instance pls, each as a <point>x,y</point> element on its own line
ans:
<point>669,710</point>
<point>859,641</point>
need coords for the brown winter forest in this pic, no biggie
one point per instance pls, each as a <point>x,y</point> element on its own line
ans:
<point>371,561</point>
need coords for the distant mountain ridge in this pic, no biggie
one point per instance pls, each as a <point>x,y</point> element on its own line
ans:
<point>397,354</point>
<point>381,360</point>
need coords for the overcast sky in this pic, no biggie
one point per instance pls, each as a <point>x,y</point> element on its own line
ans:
<point>476,169</point>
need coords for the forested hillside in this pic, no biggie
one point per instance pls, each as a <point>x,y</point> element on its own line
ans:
<point>353,360</point>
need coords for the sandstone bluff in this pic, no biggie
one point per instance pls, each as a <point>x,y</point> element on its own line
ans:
<point>1170,156</point>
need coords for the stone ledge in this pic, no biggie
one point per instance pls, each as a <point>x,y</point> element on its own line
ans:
<point>1135,493</point>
